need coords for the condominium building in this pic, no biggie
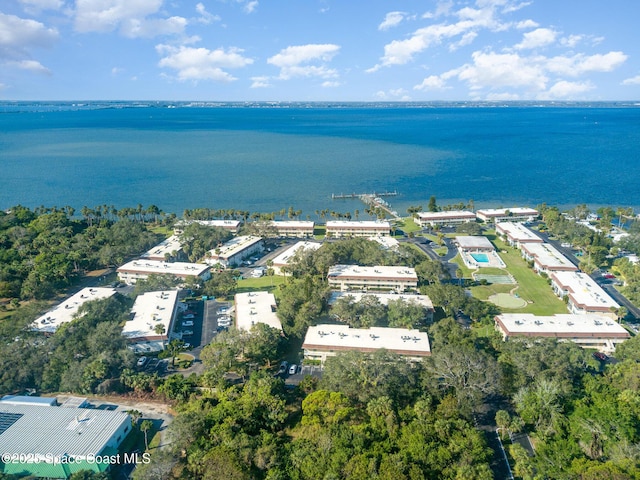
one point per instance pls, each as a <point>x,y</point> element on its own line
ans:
<point>516,234</point>
<point>284,258</point>
<point>339,228</point>
<point>233,252</point>
<point>588,331</point>
<point>294,228</point>
<point>135,270</point>
<point>349,277</point>
<point>516,214</point>
<point>583,294</point>
<point>256,307</point>
<point>546,258</point>
<point>151,310</point>
<point>165,250</point>
<point>68,310</point>
<point>453,217</point>
<point>323,341</point>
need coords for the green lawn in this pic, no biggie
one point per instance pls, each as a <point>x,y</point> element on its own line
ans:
<point>265,283</point>
<point>408,225</point>
<point>531,286</point>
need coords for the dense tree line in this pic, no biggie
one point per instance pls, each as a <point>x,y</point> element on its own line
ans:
<point>42,253</point>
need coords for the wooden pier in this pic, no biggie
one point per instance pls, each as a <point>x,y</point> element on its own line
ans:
<point>338,196</point>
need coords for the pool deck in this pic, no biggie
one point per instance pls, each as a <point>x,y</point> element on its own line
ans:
<point>493,258</point>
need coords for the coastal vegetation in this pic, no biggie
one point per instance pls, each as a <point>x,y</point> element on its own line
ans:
<point>368,416</point>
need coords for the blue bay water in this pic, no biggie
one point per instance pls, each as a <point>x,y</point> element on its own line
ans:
<point>266,159</point>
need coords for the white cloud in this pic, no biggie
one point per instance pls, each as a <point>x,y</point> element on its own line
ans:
<point>294,61</point>
<point>32,66</point>
<point>391,19</point>
<point>566,90</point>
<point>115,71</point>
<point>432,82</point>
<point>572,40</point>
<point>202,64</point>
<point>502,97</point>
<point>330,84</point>
<point>205,16</point>
<point>260,82</point>
<point>526,24</point>
<point>149,28</point>
<point>580,64</point>
<point>398,94</point>
<point>540,37</point>
<point>632,81</point>
<point>18,36</point>
<point>40,5</point>
<point>251,7</point>
<point>470,20</point>
<point>130,16</point>
<point>499,70</point>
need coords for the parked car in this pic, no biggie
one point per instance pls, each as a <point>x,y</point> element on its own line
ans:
<point>189,316</point>
<point>142,361</point>
<point>188,323</point>
<point>600,356</point>
<point>187,333</point>
<point>293,369</point>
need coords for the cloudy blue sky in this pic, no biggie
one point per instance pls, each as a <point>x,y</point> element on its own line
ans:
<point>322,50</point>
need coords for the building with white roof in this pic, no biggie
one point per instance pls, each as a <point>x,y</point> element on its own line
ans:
<point>474,243</point>
<point>55,442</point>
<point>28,400</point>
<point>322,341</point>
<point>388,243</point>
<point>230,225</point>
<point>516,234</point>
<point>150,310</point>
<point>343,228</point>
<point>135,270</point>
<point>516,214</point>
<point>546,258</point>
<point>168,248</point>
<point>294,228</point>
<point>583,293</point>
<point>68,310</point>
<point>283,259</point>
<point>588,331</point>
<point>452,217</point>
<point>256,307</point>
<point>233,252</point>
<point>423,300</point>
<point>348,277</point>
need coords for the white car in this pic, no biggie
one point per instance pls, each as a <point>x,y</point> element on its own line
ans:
<point>188,323</point>
<point>293,369</point>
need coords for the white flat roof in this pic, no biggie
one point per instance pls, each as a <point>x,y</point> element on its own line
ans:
<point>284,257</point>
<point>498,212</point>
<point>226,224</point>
<point>149,310</point>
<point>149,267</point>
<point>171,244</point>
<point>234,246</point>
<point>302,224</point>
<point>518,232</point>
<point>548,256</point>
<point>388,272</point>
<point>384,298</point>
<point>342,337</point>
<point>387,242</point>
<point>57,431</point>
<point>584,291</point>
<point>256,307</point>
<point>372,224</point>
<point>561,325</point>
<point>446,215</point>
<point>473,241</point>
<point>64,312</point>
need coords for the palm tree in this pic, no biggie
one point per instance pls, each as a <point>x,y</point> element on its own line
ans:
<point>159,329</point>
<point>175,347</point>
<point>145,426</point>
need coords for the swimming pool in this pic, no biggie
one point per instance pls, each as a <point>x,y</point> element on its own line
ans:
<point>480,257</point>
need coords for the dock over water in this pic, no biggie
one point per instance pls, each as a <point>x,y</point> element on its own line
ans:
<point>372,199</point>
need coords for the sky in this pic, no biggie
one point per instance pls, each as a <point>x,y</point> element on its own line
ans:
<point>320,50</point>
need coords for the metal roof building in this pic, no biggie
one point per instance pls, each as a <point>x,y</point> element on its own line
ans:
<point>59,441</point>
